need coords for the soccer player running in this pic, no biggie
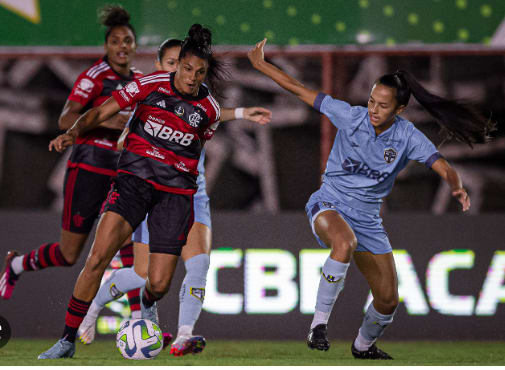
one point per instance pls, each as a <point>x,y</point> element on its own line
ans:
<point>157,171</point>
<point>93,161</point>
<point>371,146</point>
<point>195,253</point>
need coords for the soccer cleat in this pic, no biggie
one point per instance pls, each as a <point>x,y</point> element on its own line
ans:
<point>185,345</point>
<point>372,353</point>
<point>9,278</point>
<point>317,338</point>
<point>86,331</point>
<point>148,313</point>
<point>61,349</point>
<point>167,338</point>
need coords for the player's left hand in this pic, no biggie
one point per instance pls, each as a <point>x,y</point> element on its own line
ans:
<point>61,142</point>
<point>258,114</point>
<point>462,196</point>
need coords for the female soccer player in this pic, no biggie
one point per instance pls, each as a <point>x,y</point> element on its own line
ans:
<point>371,146</point>
<point>92,164</point>
<point>195,253</point>
<point>157,171</point>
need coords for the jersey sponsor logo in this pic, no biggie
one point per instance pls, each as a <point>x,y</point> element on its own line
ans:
<point>154,152</point>
<point>161,104</point>
<point>194,119</point>
<point>167,133</point>
<point>125,97</point>
<point>86,85</point>
<point>179,110</point>
<point>390,155</point>
<point>328,205</point>
<point>162,89</point>
<point>201,106</point>
<point>359,168</point>
<point>181,166</point>
<point>198,293</point>
<point>132,89</point>
<point>104,142</point>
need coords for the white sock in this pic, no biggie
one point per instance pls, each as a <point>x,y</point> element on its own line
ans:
<point>185,331</point>
<point>320,317</point>
<point>17,265</point>
<point>94,310</point>
<point>361,343</point>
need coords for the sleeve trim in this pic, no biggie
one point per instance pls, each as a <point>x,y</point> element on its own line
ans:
<point>319,100</point>
<point>432,159</point>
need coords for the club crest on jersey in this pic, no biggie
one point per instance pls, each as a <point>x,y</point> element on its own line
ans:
<point>389,155</point>
<point>132,88</point>
<point>86,85</point>
<point>179,110</point>
<point>194,119</point>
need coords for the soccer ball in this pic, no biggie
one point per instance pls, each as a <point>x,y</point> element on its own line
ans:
<point>139,339</point>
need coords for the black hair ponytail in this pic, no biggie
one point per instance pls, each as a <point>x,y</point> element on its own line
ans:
<point>112,16</point>
<point>199,43</point>
<point>165,45</point>
<point>459,120</point>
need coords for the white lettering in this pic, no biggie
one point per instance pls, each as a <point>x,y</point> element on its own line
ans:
<point>493,290</point>
<point>311,262</point>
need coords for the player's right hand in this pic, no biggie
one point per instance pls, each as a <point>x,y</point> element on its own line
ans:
<point>256,54</point>
<point>61,142</point>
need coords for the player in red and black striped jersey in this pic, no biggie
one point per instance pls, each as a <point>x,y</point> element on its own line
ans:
<point>157,174</point>
<point>93,161</point>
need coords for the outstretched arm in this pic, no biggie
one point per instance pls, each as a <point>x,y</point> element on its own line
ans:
<point>451,176</point>
<point>89,120</point>
<point>257,58</point>
<point>255,114</point>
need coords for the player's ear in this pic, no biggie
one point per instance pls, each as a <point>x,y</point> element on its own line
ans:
<point>157,64</point>
<point>400,109</point>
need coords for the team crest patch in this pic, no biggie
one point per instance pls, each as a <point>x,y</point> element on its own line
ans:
<point>115,292</point>
<point>390,155</point>
<point>194,119</point>
<point>179,110</point>
<point>198,293</point>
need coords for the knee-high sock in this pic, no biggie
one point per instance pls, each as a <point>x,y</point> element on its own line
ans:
<point>192,292</point>
<point>330,285</point>
<point>374,324</point>
<point>126,254</point>
<point>76,311</point>
<point>47,255</point>
<point>120,281</point>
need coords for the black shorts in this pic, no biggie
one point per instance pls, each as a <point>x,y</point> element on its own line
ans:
<point>170,215</point>
<point>84,193</point>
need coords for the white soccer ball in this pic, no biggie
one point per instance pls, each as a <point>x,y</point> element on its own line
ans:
<point>139,339</point>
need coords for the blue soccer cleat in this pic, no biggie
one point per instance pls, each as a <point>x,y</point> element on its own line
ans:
<point>62,349</point>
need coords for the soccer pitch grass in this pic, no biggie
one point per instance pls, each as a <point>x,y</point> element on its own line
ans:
<point>266,353</point>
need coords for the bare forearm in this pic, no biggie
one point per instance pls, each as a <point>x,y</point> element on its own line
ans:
<point>453,179</point>
<point>227,114</point>
<point>67,120</point>
<point>86,122</point>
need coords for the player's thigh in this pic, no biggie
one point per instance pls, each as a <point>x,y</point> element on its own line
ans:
<point>140,259</point>
<point>336,234</point>
<point>380,272</point>
<point>199,241</point>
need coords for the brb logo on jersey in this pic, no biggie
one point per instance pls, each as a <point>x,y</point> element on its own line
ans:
<point>389,155</point>
<point>155,127</point>
<point>359,168</point>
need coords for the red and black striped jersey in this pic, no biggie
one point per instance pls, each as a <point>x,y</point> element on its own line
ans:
<point>96,150</point>
<point>167,132</point>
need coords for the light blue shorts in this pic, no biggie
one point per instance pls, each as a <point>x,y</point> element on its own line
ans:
<point>367,227</point>
<point>202,215</point>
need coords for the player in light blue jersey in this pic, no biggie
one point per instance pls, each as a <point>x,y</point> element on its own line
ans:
<point>195,253</point>
<point>371,147</point>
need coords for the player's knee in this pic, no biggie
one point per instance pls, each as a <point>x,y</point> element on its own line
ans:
<point>96,263</point>
<point>387,304</point>
<point>158,286</point>
<point>344,245</point>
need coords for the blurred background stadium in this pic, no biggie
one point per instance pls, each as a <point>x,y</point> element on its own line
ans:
<point>265,263</point>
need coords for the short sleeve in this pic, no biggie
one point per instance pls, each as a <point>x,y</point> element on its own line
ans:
<point>339,112</point>
<point>421,149</point>
<point>85,90</point>
<point>132,93</point>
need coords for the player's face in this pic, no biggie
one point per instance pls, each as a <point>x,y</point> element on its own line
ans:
<point>190,74</point>
<point>383,107</point>
<point>170,60</point>
<point>120,46</point>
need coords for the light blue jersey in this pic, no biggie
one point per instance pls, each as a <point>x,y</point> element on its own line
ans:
<point>200,205</point>
<point>362,168</point>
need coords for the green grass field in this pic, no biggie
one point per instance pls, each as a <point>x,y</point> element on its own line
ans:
<point>267,353</point>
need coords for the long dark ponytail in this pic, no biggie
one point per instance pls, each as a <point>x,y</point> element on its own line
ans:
<point>459,120</point>
<point>199,43</point>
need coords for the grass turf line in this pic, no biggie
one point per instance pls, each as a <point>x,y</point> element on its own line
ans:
<point>263,353</point>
